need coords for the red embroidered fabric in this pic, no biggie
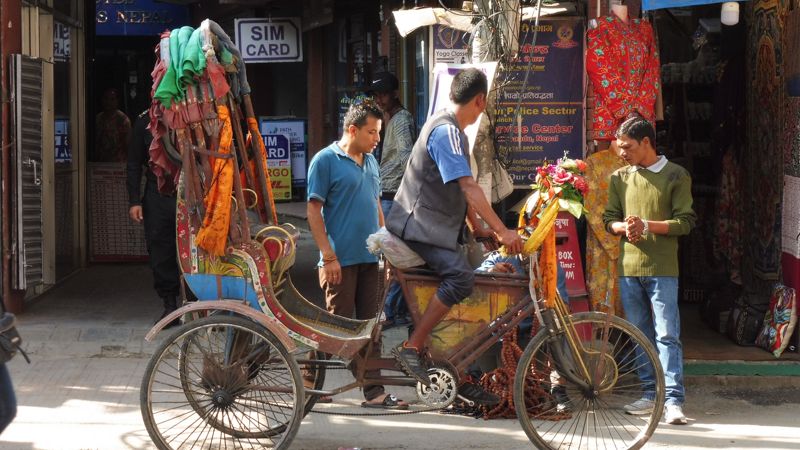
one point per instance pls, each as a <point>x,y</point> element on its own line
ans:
<point>166,171</point>
<point>623,67</point>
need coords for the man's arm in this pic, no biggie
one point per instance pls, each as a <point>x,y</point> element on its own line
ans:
<point>333,271</point>
<point>612,215</point>
<point>137,154</point>
<point>477,200</point>
<point>683,217</point>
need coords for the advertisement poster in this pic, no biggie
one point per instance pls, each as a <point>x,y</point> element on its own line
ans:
<point>450,46</point>
<point>273,40</point>
<point>550,104</point>
<point>279,164</point>
<point>295,130</point>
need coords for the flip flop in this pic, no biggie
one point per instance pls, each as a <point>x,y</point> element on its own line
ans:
<point>389,402</point>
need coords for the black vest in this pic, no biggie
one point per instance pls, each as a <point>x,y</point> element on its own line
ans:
<point>425,208</point>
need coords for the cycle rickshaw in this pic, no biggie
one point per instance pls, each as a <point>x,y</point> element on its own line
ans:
<point>250,360</point>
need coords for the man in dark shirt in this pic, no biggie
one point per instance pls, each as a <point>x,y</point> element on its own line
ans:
<point>158,214</point>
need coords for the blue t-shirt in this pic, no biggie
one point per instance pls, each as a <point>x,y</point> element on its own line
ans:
<point>447,150</point>
<point>349,194</point>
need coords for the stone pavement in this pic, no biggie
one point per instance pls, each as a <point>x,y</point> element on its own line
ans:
<point>81,391</point>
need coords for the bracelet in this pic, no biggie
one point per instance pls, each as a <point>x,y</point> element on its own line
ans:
<point>645,228</point>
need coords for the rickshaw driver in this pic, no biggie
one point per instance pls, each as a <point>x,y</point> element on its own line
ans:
<point>430,211</point>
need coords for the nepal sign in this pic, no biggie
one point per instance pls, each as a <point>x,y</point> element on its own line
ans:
<point>278,39</point>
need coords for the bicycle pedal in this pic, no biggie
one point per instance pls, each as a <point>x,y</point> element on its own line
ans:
<point>467,401</point>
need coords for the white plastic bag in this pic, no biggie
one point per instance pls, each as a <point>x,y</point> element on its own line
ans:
<point>394,249</point>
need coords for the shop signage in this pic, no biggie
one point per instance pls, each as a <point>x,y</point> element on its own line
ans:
<point>63,150</point>
<point>61,42</point>
<point>295,131</point>
<point>279,164</point>
<point>138,17</point>
<point>550,104</point>
<point>569,255</point>
<point>450,46</point>
<point>269,40</point>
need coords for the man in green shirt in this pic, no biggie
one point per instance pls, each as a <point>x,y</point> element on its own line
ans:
<point>650,205</point>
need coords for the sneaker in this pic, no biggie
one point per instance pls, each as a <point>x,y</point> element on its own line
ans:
<point>412,363</point>
<point>640,407</point>
<point>477,394</point>
<point>673,415</point>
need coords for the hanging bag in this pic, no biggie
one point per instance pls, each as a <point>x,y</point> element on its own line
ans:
<point>502,183</point>
<point>10,340</point>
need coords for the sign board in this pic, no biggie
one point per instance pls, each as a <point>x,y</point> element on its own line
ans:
<point>279,164</point>
<point>63,150</point>
<point>295,130</point>
<point>569,255</point>
<point>450,46</point>
<point>278,39</point>
<point>550,103</point>
<point>137,17</point>
<point>61,42</point>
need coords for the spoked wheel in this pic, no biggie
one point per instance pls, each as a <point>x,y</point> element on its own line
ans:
<point>557,413</point>
<point>222,382</point>
<point>313,376</point>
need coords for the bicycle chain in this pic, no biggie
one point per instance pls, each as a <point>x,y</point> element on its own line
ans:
<point>403,413</point>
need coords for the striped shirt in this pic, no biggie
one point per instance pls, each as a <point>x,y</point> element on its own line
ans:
<point>447,150</point>
<point>397,143</point>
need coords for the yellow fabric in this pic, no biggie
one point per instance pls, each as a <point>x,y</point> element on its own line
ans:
<point>544,235</point>
<point>255,133</point>
<point>213,235</point>
<point>602,247</point>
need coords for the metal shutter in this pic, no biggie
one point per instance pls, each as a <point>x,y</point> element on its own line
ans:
<point>26,81</point>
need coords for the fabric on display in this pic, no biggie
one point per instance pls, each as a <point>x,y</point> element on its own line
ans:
<point>623,66</point>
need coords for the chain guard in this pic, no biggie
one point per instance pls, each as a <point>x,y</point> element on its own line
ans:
<point>444,385</point>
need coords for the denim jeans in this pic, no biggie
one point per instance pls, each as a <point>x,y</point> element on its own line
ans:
<point>8,402</point>
<point>395,305</point>
<point>651,304</point>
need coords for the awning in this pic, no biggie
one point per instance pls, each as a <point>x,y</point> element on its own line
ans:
<point>648,5</point>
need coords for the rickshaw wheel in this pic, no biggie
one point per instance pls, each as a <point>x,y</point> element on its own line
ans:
<point>219,382</point>
<point>313,377</point>
<point>557,413</point>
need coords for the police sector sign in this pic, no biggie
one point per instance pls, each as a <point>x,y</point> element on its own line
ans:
<point>278,39</point>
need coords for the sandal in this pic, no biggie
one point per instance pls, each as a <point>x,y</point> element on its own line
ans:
<point>390,401</point>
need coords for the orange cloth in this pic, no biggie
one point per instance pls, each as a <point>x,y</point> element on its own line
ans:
<point>213,235</point>
<point>544,235</point>
<point>255,133</point>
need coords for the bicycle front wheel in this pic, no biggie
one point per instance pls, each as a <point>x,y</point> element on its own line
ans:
<point>617,366</point>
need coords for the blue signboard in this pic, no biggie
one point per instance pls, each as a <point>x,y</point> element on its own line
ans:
<point>550,104</point>
<point>648,5</point>
<point>295,130</point>
<point>138,17</point>
<point>63,150</point>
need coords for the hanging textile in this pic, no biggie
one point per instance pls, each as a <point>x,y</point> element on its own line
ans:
<point>623,66</point>
<point>213,235</point>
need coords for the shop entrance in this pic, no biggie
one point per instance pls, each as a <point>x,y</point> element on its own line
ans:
<point>704,91</point>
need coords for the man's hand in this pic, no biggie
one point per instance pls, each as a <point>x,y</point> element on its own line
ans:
<point>502,267</point>
<point>135,213</point>
<point>634,227</point>
<point>512,240</point>
<point>333,272</point>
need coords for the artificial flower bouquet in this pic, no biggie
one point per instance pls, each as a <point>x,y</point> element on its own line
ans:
<point>563,182</point>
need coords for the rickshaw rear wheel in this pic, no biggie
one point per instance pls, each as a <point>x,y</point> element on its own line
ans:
<point>557,413</point>
<point>222,381</point>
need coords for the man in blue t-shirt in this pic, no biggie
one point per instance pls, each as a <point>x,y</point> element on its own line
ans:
<point>343,209</point>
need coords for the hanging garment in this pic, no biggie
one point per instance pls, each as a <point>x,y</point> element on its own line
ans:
<point>623,67</point>
<point>602,247</point>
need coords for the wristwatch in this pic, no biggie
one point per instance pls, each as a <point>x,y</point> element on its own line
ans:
<point>645,228</point>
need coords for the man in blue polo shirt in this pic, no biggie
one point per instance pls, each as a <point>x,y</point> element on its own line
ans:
<point>343,209</point>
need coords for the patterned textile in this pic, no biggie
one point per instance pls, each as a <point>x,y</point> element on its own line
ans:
<point>728,226</point>
<point>764,160</point>
<point>602,247</point>
<point>779,322</point>
<point>113,131</point>
<point>623,65</point>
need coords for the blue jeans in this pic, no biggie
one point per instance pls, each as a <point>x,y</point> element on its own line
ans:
<point>395,305</point>
<point>8,402</point>
<point>651,304</point>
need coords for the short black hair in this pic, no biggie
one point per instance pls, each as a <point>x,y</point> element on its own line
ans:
<point>637,129</point>
<point>359,111</point>
<point>467,84</point>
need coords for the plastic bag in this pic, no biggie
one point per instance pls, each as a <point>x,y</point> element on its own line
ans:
<point>394,249</point>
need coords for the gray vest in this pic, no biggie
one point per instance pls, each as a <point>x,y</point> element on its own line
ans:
<point>425,208</point>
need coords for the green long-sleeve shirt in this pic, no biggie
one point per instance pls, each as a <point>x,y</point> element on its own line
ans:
<point>665,195</point>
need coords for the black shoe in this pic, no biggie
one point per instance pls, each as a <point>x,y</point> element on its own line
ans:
<point>477,394</point>
<point>412,363</point>
<point>561,398</point>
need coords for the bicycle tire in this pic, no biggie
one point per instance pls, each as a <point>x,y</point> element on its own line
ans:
<point>556,414</point>
<point>262,391</point>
